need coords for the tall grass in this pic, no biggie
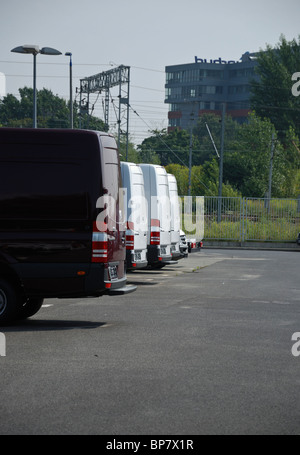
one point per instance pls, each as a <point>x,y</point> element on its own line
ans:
<point>276,220</point>
<point>280,230</point>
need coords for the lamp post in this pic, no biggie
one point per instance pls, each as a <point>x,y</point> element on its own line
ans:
<point>34,50</point>
<point>192,118</point>
<point>221,163</point>
<point>69,54</point>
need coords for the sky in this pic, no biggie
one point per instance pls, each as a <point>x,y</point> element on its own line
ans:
<point>146,35</point>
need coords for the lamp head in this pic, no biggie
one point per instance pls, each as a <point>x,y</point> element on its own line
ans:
<point>27,49</point>
<point>33,49</point>
<point>49,51</point>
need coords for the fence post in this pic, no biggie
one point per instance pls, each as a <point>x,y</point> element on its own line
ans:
<point>2,345</point>
<point>243,220</point>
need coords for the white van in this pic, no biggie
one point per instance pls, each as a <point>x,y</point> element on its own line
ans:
<point>175,218</point>
<point>136,216</point>
<point>159,214</point>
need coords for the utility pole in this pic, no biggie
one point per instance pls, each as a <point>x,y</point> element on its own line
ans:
<point>271,166</point>
<point>105,81</point>
<point>127,116</point>
<point>69,54</point>
<point>221,163</point>
<point>34,93</point>
<point>271,170</point>
<point>190,161</point>
<point>191,152</point>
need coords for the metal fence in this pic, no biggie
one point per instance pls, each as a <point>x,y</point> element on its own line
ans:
<point>249,219</point>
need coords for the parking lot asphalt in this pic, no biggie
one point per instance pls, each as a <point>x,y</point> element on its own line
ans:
<point>202,347</point>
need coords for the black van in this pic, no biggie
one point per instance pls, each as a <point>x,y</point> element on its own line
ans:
<point>60,228</point>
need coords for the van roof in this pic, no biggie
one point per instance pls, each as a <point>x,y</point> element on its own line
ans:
<point>36,134</point>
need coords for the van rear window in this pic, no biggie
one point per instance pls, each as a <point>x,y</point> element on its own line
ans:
<point>43,189</point>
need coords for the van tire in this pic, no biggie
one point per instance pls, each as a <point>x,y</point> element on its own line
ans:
<point>9,302</point>
<point>159,265</point>
<point>30,307</point>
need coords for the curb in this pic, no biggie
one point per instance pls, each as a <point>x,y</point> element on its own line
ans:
<point>271,246</point>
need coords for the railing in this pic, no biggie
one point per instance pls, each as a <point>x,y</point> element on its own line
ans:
<point>248,219</point>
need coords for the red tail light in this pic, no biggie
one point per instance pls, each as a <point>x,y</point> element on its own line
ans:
<point>129,242</point>
<point>155,232</point>
<point>130,236</point>
<point>155,238</point>
<point>99,245</point>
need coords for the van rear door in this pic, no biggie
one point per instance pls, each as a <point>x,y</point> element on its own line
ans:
<point>111,178</point>
<point>175,217</point>
<point>164,208</point>
<point>159,215</point>
<point>137,215</point>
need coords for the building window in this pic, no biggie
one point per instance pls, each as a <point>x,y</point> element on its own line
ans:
<point>174,107</point>
<point>189,92</point>
<point>174,122</point>
<point>173,93</point>
<point>174,77</point>
<point>215,74</point>
<point>192,75</point>
<point>235,89</point>
<point>210,89</point>
<point>242,72</point>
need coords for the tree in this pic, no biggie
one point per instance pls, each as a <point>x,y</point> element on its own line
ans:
<point>247,163</point>
<point>247,166</point>
<point>272,95</point>
<point>133,156</point>
<point>247,154</point>
<point>88,121</point>
<point>167,148</point>
<point>205,180</point>
<point>203,148</point>
<point>181,173</point>
<point>52,111</point>
<point>290,165</point>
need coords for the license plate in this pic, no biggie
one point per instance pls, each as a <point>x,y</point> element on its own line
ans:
<point>163,250</point>
<point>113,272</point>
<point>137,256</point>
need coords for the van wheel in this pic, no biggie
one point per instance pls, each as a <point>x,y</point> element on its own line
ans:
<point>29,308</point>
<point>9,302</point>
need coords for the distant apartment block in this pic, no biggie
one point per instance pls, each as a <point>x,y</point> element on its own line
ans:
<point>203,86</point>
<point>2,85</point>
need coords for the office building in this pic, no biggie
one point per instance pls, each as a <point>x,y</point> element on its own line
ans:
<point>2,85</point>
<point>205,85</point>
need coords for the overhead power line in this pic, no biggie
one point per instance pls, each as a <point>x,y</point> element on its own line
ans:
<point>82,64</point>
<point>166,145</point>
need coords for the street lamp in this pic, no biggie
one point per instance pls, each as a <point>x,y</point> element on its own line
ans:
<point>34,50</point>
<point>69,54</point>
